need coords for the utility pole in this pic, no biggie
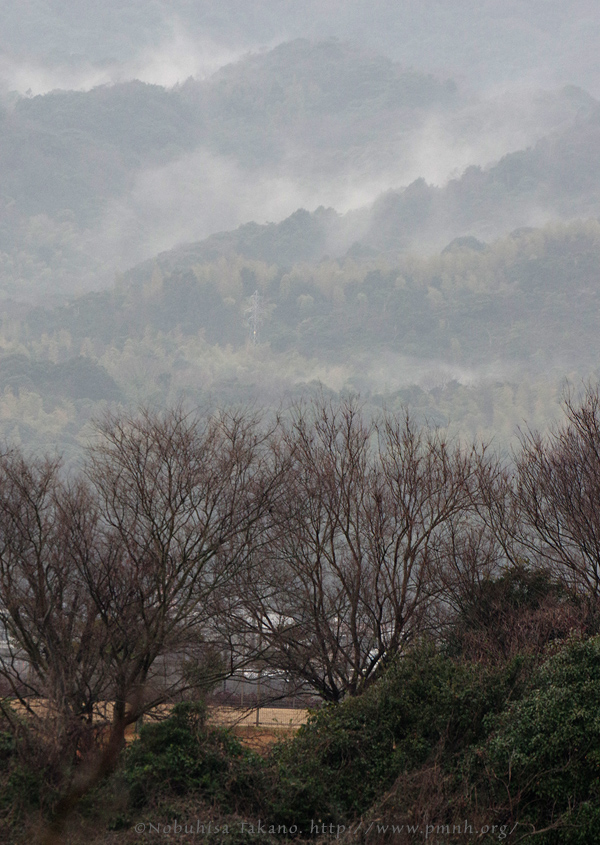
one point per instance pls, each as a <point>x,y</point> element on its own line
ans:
<point>259,674</point>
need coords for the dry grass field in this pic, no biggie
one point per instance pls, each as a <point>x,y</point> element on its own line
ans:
<point>259,731</point>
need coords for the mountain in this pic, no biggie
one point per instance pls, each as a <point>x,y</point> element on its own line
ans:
<point>92,182</point>
<point>557,178</point>
<point>90,176</point>
<point>478,335</point>
<point>71,150</point>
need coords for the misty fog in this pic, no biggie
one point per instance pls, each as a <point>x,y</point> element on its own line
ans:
<point>202,193</point>
<point>390,178</point>
<point>541,42</point>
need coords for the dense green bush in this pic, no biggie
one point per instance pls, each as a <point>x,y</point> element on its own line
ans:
<point>545,752</point>
<point>339,764</point>
<point>432,738</point>
<point>182,754</point>
<point>29,780</point>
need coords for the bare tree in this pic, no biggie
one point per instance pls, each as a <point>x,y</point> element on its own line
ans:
<point>53,643</point>
<point>558,491</point>
<point>498,595</point>
<point>347,574</point>
<point>183,501</point>
<point>110,585</point>
<point>430,486</point>
<point>480,542</point>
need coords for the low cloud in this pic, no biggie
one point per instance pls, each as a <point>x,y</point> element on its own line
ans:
<point>177,57</point>
<point>201,194</point>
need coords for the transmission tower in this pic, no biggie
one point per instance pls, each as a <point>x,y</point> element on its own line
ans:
<point>254,315</point>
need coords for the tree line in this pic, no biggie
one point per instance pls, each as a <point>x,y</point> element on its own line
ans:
<point>319,543</point>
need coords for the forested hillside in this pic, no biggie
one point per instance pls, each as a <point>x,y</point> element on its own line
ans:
<point>480,336</point>
<point>472,304</point>
<point>75,166</point>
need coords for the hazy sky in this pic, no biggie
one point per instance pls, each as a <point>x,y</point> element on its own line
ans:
<point>56,43</point>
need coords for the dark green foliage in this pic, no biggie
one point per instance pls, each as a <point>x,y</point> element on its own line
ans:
<point>7,745</point>
<point>483,733</point>
<point>545,751</point>
<point>29,780</point>
<point>182,755</point>
<point>344,759</point>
